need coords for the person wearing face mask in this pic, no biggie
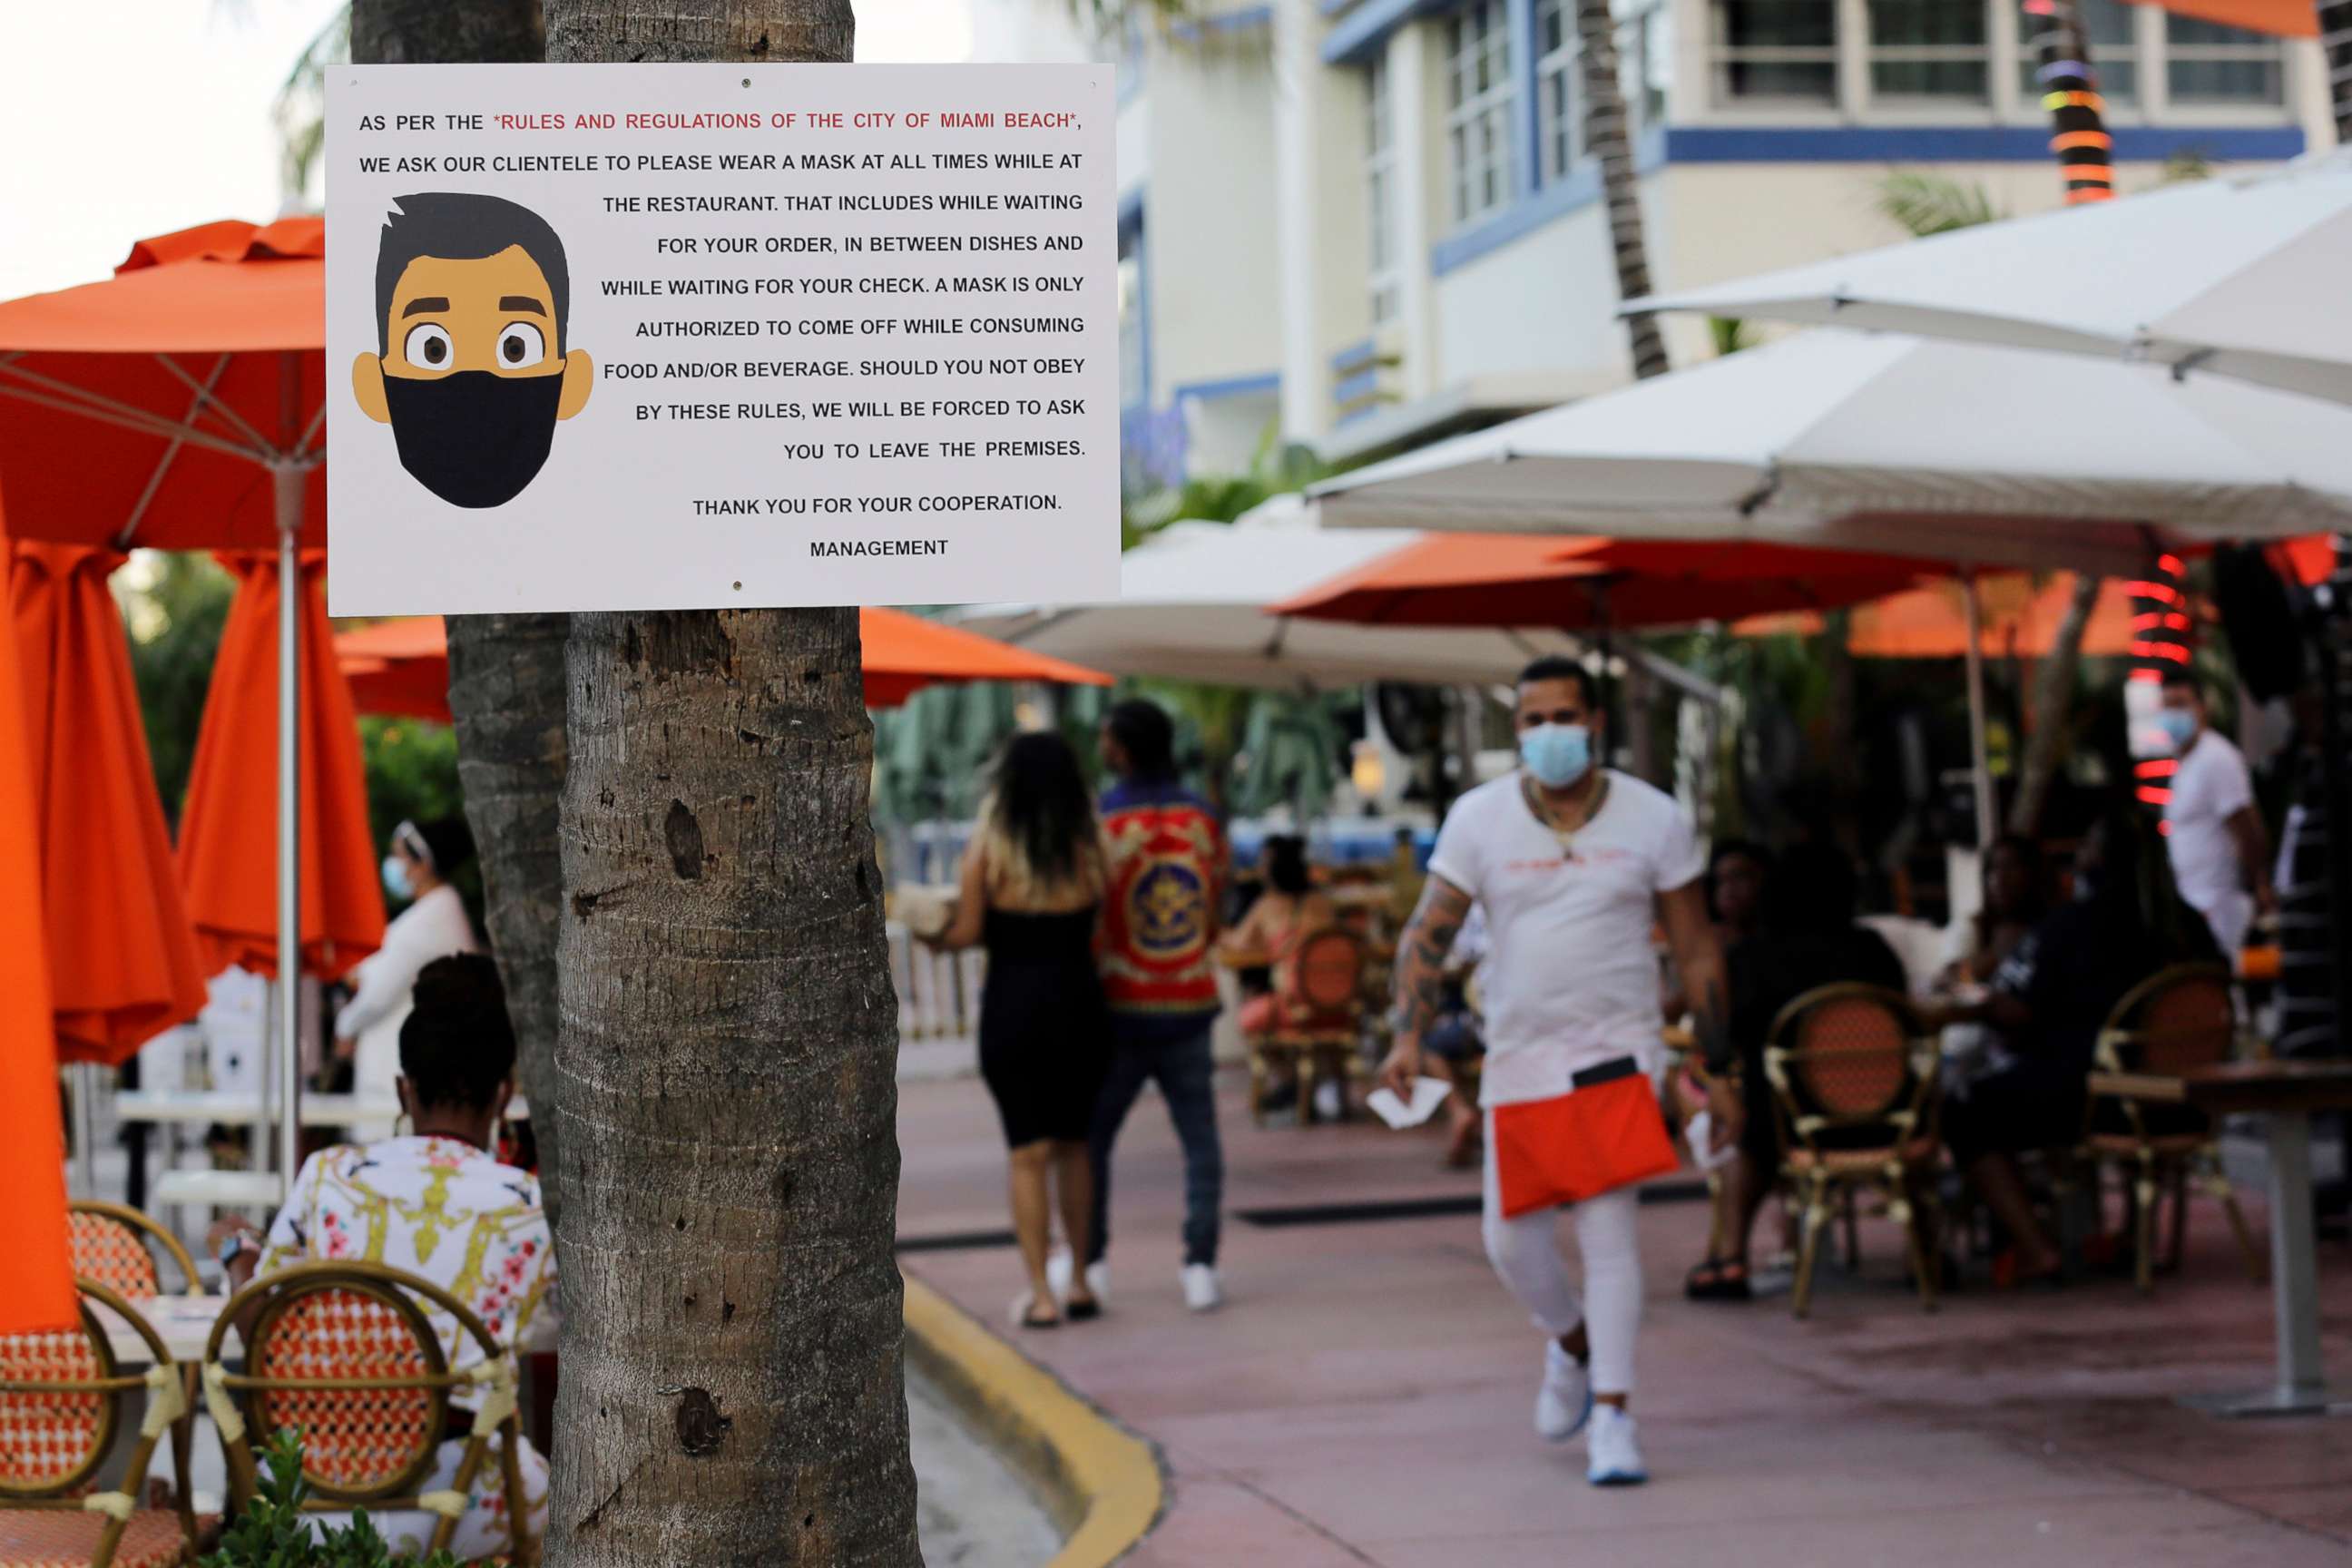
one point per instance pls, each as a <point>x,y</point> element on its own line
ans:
<point>2214,834</point>
<point>417,866</point>
<point>1574,864</point>
<point>2049,1000</point>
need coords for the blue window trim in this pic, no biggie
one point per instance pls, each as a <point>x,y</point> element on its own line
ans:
<point>1657,146</point>
<point>1580,189</point>
<point>1966,143</point>
<point>1365,30</point>
<point>1229,386</point>
<point>1363,384</point>
<point>1243,20</point>
<point>1355,356</point>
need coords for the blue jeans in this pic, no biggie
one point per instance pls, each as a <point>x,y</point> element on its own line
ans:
<point>1184,1073</point>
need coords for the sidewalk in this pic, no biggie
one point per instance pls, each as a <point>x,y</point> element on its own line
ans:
<point>1364,1396</point>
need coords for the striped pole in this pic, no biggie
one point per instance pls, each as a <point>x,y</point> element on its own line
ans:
<point>2160,646</point>
<point>2070,92</point>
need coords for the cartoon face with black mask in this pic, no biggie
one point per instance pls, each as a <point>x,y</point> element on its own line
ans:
<point>473,302</point>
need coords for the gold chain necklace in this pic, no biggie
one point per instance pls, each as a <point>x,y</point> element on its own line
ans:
<point>1541,808</point>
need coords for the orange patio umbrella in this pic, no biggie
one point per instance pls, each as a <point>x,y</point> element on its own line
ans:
<point>181,404</point>
<point>1588,584</point>
<point>122,958</point>
<point>36,1290</point>
<point>1931,622</point>
<point>2279,18</point>
<point>402,667</point>
<point>229,831</point>
<point>905,653</point>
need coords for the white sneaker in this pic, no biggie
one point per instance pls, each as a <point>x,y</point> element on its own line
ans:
<point>1099,1279</point>
<point>1203,1293</point>
<point>1564,1398</point>
<point>1057,1272</point>
<point>1615,1456</point>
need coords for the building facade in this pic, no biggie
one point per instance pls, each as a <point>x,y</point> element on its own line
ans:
<point>1363,224</point>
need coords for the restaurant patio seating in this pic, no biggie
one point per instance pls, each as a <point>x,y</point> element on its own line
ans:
<point>344,1353</point>
<point>1853,1072</point>
<point>62,1406</point>
<point>1318,1022</point>
<point>2175,1021</point>
<point>116,1246</point>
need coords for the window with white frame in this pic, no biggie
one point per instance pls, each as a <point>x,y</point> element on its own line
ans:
<point>2112,28</point>
<point>1928,50</point>
<point>2206,62</point>
<point>1645,59</point>
<point>1478,110</point>
<point>1380,191</point>
<point>1560,97</point>
<point>1773,52</point>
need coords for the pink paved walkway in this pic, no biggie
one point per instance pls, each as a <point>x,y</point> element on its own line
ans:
<point>1364,1396</point>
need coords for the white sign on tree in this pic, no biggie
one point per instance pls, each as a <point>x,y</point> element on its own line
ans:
<point>701,336</point>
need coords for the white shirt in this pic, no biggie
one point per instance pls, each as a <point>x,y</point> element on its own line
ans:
<point>1571,980</point>
<point>2212,786</point>
<point>438,1208</point>
<point>434,926</point>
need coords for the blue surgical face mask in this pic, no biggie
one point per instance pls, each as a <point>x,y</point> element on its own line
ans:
<point>395,878</point>
<point>2179,724</point>
<point>1558,754</point>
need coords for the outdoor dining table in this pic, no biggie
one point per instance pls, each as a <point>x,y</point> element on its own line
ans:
<point>2286,1093</point>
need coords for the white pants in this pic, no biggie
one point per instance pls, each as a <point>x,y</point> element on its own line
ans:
<point>1525,1252</point>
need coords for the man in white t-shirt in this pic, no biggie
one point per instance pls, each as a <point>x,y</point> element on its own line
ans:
<point>2220,851</point>
<point>1572,864</point>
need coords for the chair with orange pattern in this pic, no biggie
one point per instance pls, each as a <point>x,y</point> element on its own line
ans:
<point>1317,1021</point>
<point>2178,1019</point>
<point>62,1406</point>
<point>1853,1072</point>
<point>117,1246</point>
<point>344,1353</point>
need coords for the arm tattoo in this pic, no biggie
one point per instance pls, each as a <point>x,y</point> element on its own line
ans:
<point>1420,957</point>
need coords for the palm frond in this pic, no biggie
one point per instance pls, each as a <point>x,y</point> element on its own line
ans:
<point>1927,204</point>
<point>300,110</point>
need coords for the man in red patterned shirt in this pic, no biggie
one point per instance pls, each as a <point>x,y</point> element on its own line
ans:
<point>1159,923</point>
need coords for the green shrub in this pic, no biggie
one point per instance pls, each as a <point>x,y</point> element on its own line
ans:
<point>273,1532</point>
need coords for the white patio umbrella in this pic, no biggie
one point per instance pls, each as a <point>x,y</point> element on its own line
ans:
<point>1955,453</point>
<point>1964,456</point>
<point>1191,603</point>
<point>2242,276</point>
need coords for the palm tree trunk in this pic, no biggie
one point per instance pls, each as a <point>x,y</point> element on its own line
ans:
<point>2335,43</point>
<point>443,32</point>
<point>2053,698</point>
<point>506,695</point>
<point>1609,137</point>
<point>732,1387</point>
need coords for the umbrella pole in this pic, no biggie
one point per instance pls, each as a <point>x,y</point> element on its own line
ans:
<point>85,1126</point>
<point>286,481</point>
<point>1980,757</point>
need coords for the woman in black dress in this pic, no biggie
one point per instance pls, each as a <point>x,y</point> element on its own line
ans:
<point>1032,884</point>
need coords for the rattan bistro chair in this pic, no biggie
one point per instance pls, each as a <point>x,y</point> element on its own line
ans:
<point>344,1353</point>
<point>61,1408</point>
<point>2178,1019</point>
<point>1853,1077</point>
<point>117,1245</point>
<point>1319,1021</point>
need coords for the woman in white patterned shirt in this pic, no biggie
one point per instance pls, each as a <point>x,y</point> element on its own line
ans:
<point>439,1204</point>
